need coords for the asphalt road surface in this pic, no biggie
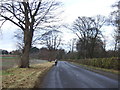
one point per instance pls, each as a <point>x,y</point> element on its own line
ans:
<point>66,75</point>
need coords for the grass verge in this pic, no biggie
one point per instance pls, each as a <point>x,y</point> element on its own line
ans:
<point>98,68</point>
<point>107,72</point>
<point>24,77</point>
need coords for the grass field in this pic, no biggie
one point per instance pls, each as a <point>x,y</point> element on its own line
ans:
<point>13,61</point>
<point>8,57</point>
<point>9,63</point>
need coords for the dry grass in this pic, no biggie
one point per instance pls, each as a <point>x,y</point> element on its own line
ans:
<point>23,77</point>
<point>98,68</point>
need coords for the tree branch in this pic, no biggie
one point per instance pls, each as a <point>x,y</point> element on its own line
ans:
<point>12,21</point>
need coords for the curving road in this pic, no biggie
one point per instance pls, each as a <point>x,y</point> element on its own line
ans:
<point>66,75</point>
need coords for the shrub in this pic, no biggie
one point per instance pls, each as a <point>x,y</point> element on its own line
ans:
<point>109,63</point>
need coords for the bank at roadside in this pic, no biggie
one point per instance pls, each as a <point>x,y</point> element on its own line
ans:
<point>24,77</point>
<point>105,66</point>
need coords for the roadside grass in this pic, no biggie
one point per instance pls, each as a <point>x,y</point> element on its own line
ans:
<point>98,68</point>
<point>24,77</point>
<point>104,64</point>
<point>5,73</point>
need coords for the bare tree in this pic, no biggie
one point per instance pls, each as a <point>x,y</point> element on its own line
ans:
<point>115,21</point>
<point>72,44</point>
<point>29,16</point>
<point>88,31</point>
<point>51,39</point>
<point>19,36</point>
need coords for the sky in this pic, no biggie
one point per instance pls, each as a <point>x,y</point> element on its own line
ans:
<point>72,9</point>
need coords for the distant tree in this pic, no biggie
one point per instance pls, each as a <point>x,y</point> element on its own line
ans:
<point>88,31</point>
<point>111,53</point>
<point>72,44</point>
<point>34,50</point>
<point>16,52</point>
<point>71,55</point>
<point>115,21</point>
<point>29,16</point>
<point>44,54</point>
<point>4,52</point>
<point>60,54</point>
<point>51,39</point>
<point>19,35</point>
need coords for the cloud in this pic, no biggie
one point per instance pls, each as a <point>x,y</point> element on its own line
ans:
<point>73,9</point>
<point>7,40</point>
<point>86,8</point>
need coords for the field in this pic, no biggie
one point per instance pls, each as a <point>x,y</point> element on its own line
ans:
<point>9,63</point>
<point>13,61</point>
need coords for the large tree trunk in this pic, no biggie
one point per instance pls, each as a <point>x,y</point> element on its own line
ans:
<point>28,34</point>
<point>92,48</point>
<point>27,45</point>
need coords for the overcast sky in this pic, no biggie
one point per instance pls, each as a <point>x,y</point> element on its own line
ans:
<point>72,9</point>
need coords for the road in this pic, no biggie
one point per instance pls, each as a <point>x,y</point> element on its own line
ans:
<point>66,75</point>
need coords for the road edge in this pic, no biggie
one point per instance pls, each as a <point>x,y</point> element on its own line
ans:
<point>105,73</point>
<point>38,83</point>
